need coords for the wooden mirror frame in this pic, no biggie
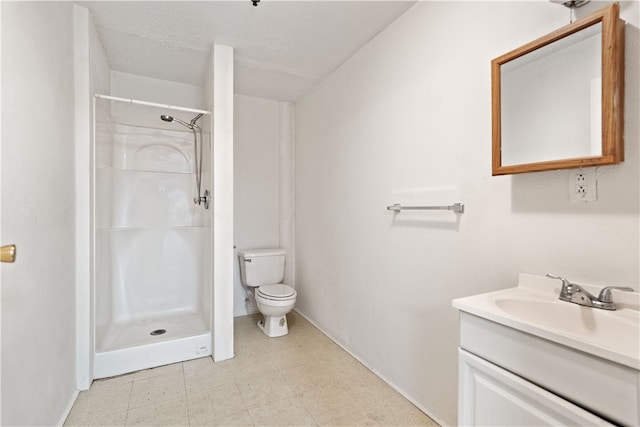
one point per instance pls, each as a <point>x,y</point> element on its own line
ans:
<point>612,94</point>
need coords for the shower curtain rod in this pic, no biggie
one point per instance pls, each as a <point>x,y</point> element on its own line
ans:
<point>151,104</point>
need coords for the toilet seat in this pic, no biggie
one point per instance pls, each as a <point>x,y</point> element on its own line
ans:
<point>279,292</point>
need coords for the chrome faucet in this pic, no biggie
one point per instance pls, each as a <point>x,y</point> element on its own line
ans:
<point>571,292</point>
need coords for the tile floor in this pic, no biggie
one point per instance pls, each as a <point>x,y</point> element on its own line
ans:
<point>302,379</point>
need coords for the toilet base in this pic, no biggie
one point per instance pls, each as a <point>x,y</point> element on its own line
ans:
<point>274,326</point>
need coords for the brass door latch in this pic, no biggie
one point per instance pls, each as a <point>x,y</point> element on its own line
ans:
<point>8,253</point>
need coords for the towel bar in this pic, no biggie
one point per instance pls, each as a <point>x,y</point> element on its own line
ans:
<point>456,208</point>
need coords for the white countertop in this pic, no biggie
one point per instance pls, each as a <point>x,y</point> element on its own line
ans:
<point>533,307</point>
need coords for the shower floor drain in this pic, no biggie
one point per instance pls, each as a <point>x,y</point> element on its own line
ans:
<point>158,332</point>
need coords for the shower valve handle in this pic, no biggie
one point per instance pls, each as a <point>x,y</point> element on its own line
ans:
<point>203,200</point>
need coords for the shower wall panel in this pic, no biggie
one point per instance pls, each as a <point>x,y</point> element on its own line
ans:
<point>206,249</point>
<point>103,294</point>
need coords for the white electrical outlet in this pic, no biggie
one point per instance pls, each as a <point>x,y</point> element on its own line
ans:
<point>583,185</point>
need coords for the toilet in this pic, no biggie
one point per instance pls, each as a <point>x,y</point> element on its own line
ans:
<point>263,270</point>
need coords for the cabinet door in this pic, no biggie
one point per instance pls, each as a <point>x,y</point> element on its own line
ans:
<point>491,396</point>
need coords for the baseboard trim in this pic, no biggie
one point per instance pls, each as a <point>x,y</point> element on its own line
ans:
<point>246,312</point>
<point>375,371</point>
<point>67,410</point>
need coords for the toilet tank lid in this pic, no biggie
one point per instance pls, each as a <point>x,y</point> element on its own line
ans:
<point>251,253</point>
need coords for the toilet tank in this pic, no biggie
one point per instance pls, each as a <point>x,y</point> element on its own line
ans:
<point>261,266</point>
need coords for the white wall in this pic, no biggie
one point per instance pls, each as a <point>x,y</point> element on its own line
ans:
<point>100,83</point>
<point>144,88</point>
<point>92,75</point>
<point>286,137</point>
<point>262,185</point>
<point>256,170</point>
<point>219,99</point>
<point>407,119</point>
<point>100,73</point>
<point>38,291</point>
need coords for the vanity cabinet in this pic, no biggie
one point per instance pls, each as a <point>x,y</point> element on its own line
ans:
<point>492,396</point>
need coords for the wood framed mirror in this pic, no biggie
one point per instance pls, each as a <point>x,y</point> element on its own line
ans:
<point>557,102</point>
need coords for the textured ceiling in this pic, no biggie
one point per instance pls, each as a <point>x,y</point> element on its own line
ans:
<point>282,48</point>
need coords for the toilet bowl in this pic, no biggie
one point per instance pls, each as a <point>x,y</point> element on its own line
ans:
<point>274,302</point>
<point>263,270</point>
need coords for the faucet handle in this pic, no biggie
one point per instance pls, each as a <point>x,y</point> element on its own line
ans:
<point>566,285</point>
<point>605,293</point>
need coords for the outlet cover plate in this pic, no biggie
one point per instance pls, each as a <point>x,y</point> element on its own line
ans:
<point>583,185</point>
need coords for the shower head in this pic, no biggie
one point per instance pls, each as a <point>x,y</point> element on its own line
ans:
<point>170,119</point>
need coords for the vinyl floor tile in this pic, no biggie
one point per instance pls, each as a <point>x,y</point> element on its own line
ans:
<point>157,389</point>
<point>330,403</point>
<point>238,419</point>
<point>171,412</point>
<point>91,419</point>
<point>285,412</point>
<point>227,400</point>
<point>312,376</point>
<point>400,412</point>
<point>301,379</point>
<point>201,409</point>
<point>361,418</point>
<point>261,389</point>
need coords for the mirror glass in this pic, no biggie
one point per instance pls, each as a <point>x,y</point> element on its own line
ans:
<point>551,101</point>
<point>557,100</point>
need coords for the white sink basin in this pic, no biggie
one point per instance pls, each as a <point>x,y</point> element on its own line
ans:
<point>616,330</point>
<point>533,306</point>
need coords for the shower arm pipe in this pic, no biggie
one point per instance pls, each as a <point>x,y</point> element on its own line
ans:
<point>151,104</point>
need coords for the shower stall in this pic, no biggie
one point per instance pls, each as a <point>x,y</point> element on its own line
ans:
<point>152,235</point>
